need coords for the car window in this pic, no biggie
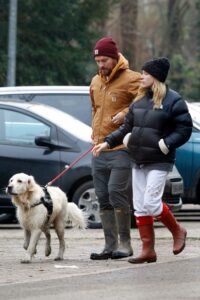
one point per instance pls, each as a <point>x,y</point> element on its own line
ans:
<point>20,129</point>
<point>77,105</point>
<point>73,126</point>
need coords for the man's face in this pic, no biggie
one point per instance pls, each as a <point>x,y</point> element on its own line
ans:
<point>105,64</point>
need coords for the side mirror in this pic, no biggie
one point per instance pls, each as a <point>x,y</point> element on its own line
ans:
<point>43,141</point>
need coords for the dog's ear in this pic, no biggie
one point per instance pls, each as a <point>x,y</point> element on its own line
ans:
<point>31,183</point>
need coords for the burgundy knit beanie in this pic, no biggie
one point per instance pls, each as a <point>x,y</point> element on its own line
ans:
<point>106,47</point>
<point>157,67</point>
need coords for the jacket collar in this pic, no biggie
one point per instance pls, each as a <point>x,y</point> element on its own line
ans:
<point>122,64</point>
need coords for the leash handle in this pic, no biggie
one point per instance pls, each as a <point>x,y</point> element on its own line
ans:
<point>69,167</point>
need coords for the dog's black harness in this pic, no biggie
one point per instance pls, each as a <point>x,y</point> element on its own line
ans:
<point>46,201</point>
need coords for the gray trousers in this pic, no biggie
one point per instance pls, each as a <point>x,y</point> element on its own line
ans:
<point>112,176</point>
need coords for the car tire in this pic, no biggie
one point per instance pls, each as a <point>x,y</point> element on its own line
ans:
<point>86,200</point>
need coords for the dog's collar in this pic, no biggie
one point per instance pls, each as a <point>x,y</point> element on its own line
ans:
<point>46,201</point>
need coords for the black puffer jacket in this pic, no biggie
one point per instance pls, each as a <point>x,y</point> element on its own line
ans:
<point>172,123</point>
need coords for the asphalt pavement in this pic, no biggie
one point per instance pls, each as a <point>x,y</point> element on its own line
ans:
<point>77,265</point>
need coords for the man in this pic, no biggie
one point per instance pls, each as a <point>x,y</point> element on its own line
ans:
<point>112,91</point>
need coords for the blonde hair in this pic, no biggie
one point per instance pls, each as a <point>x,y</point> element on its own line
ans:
<point>159,91</point>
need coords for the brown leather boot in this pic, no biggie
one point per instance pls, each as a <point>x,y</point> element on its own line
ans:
<point>179,233</point>
<point>146,230</point>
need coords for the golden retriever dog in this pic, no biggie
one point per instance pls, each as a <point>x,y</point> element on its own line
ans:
<point>37,209</point>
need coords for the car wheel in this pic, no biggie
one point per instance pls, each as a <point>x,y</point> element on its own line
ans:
<point>86,199</point>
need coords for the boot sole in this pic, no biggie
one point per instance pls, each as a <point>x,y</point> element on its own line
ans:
<point>141,261</point>
<point>101,257</point>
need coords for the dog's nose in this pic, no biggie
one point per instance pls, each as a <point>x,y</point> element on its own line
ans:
<point>9,189</point>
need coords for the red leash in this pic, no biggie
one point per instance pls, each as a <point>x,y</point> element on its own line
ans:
<point>69,167</point>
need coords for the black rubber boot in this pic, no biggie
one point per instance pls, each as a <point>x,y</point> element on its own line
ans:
<point>123,218</point>
<point>110,233</point>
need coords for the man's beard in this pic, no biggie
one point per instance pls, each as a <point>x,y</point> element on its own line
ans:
<point>105,72</point>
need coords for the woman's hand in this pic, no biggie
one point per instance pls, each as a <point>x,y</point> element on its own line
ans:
<point>98,148</point>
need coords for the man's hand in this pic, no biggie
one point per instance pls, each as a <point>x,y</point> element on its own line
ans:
<point>118,119</point>
<point>98,148</point>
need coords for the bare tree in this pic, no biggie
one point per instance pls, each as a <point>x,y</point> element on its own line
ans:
<point>172,38</point>
<point>128,29</point>
<point>122,25</point>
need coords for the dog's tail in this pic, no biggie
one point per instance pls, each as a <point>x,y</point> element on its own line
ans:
<point>76,216</point>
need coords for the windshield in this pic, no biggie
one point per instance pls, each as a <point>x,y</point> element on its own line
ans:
<point>63,120</point>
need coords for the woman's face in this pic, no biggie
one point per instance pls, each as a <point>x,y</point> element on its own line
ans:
<point>146,80</point>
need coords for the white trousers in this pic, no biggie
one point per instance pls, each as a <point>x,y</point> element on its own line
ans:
<point>148,188</point>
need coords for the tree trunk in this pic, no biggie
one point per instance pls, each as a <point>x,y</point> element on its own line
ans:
<point>128,28</point>
<point>172,39</point>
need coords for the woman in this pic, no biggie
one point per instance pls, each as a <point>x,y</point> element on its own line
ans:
<point>157,123</point>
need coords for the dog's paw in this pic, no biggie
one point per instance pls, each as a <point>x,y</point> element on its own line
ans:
<point>58,258</point>
<point>26,259</point>
<point>47,251</point>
